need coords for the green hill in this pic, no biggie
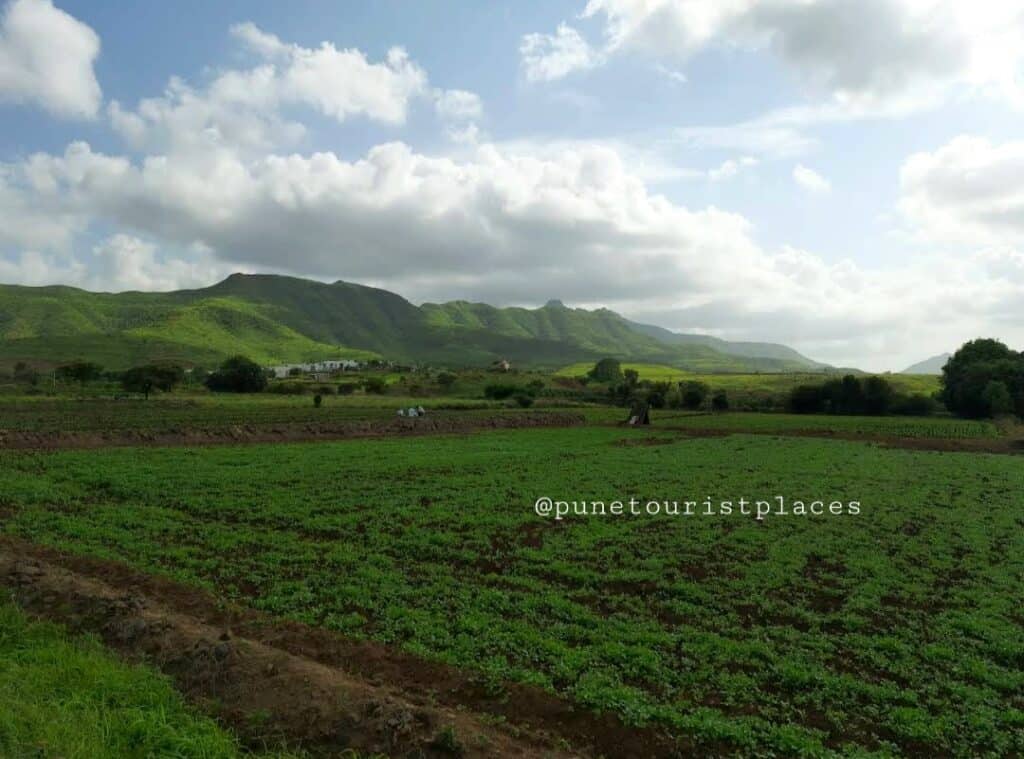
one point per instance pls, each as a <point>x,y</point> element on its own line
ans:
<point>276,319</point>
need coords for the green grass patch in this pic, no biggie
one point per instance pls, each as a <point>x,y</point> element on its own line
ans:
<point>65,696</point>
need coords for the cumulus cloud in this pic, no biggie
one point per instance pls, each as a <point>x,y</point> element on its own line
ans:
<point>241,108</point>
<point>731,167</point>
<point>546,57</point>
<point>46,59</point>
<point>866,53</point>
<point>810,180</point>
<point>509,226</point>
<point>970,191</point>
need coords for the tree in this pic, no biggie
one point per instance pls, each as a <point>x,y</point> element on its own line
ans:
<point>606,370</point>
<point>693,394</point>
<point>146,379</point>
<point>967,374</point>
<point>445,380</point>
<point>238,375</point>
<point>997,396</point>
<point>375,385</point>
<point>806,399</point>
<point>720,401</point>
<point>878,396</point>
<point>81,372</point>
<point>631,377</point>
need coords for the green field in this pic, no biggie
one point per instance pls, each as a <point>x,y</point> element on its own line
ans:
<point>883,426</point>
<point>755,383</point>
<point>893,630</point>
<point>62,696</point>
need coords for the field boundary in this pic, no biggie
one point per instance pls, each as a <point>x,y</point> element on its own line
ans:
<point>264,673</point>
<point>437,423</point>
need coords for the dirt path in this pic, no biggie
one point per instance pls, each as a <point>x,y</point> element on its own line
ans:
<point>273,680</point>
<point>431,424</point>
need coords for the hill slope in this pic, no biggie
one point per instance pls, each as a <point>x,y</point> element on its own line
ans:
<point>931,365</point>
<point>278,319</point>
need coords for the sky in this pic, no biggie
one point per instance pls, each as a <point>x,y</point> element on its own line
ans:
<point>842,176</point>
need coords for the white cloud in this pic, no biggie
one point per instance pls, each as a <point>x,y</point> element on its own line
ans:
<point>241,108</point>
<point>46,58</point>
<point>506,225</point>
<point>970,191</point>
<point>731,167</point>
<point>867,54</point>
<point>546,57</point>
<point>810,180</point>
<point>458,105</point>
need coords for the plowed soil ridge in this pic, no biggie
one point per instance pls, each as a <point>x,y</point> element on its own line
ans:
<point>276,681</point>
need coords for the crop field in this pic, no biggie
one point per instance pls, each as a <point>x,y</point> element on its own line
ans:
<point>896,629</point>
<point>42,414</point>
<point>755,383</point>
<point>885,426</point>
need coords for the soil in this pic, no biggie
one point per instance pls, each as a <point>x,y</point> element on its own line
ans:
<point>238,434</point>
<point>275,681</point>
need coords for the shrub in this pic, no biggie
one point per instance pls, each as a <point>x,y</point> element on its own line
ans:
<point>524,400</point>
<point>325,390</point>
<point>347,388</point>
<point>913,405</point>
<point>446,380</point>
<point>287,388</point>
<point>375,385</point>
<point>720,401</point>
<point>317,400</point>
<point>693,394</point>
<point>499,392</point>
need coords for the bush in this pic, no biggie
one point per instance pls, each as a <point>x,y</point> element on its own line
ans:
<point>524,400</point>
<point>347,388</point>
<point>325,390</point>
<point>238,375</point>
<point>720,401</point>
<point>287,388</point>
<point>499,392</point>
<point>446,380</point>
<point>914,405</point>
<point>692,394</point>
<point>375,385</point>
<point>317,400</point>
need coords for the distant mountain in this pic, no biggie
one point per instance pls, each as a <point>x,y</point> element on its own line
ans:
<point>276,319</point>
<point>931,365</point>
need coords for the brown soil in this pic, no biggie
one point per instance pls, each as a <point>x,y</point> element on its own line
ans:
<point>1006,445</point>
<point>272,680</point>
<point>237,434</point>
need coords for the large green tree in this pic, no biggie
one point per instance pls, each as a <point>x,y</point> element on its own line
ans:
<point>967,377</point>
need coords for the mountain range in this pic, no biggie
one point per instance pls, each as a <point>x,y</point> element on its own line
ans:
<point>278,319</point>
<point>931,365</point>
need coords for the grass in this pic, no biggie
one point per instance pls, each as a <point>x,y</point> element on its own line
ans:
<point>895,630</point>
<point>65,696</point>
<point>755,383</point>
<point>887,426</point>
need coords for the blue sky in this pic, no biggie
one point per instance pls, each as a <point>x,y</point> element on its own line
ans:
<point>841,176</point>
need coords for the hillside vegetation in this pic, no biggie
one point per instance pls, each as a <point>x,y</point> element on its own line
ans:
<point>276,319</point>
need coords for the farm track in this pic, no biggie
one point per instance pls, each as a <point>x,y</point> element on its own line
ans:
<point>275,681</point>
<point>1004,445</point>
<point>438,423</point>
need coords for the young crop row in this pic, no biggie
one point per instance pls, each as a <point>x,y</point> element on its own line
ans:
<point>895,630</point>
<point>886,426</point>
